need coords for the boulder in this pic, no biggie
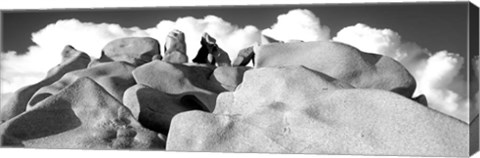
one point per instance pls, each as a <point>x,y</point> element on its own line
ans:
<point>244,57</point>
<point>298,110</point>
<point>228,77</point>
<point>81,116</point>
<point>72,59</point>
<point>340,61</point>
<point>175,48</point>
<point>133,50</point>
<point>155,109</point>
<point>211,53</point>
<point>114,77</point>
<point>179,79</point>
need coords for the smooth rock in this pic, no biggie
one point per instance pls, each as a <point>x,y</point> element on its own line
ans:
<point>71,60</point>
<point>114,77</point>
<point>155,109</point>
<point>133,50</point>
<point>297,110</point>
<point>179,79</point>
<point>340,61</point>
<point>81,116</point>
<point>175,49</point>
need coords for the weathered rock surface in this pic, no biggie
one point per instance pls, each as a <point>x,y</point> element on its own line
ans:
<point>297,110</point>
<point>340,61</point>
<point>83,115</point>
<point>72,59</point>
<point>133,50</point>
<point>175,48</point>
<point>155,109</point>
<point>228,77</point>
<point>179,79</point>
<point>114,77</point>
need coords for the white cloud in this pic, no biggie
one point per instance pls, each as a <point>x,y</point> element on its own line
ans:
<point>440,72</point>
<point>298,24</point>
<point>437,74</point>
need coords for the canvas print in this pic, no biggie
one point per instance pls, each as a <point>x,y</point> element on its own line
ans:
<point>341,79</point>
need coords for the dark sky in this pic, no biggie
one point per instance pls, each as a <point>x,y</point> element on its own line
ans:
<point>436,26</point>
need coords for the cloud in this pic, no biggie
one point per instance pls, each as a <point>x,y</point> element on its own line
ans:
<point>298,24</point>
<point>21,70</point>
<point>439,75</point>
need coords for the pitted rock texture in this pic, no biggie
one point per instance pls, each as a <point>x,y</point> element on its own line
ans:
<point>274,111</point>
<point>83,115</point>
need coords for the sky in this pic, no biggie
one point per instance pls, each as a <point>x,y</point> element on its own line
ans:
<point>429,39</point>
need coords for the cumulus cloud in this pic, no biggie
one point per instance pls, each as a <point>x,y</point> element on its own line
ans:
<point>438,75</point>
<point>298,24</point>
<point>21,70</point>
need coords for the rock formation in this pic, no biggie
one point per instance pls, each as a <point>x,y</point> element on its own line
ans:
<point>180,79</point>
<point>244,57</point>
<point>133,50</point>
<point>175,48</point>
<point>274,111</point>
<point>211,53</point>
<point>83,115</point>
<point>114,77</point>
<point>72,59</point>
<point>300,97</point>
<point>340,61</point>
<point>154,109</point>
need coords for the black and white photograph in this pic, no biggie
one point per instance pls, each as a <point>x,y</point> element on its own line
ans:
<point>332,78</point>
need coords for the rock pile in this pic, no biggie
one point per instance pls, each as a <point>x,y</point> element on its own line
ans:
<point>300,97</point>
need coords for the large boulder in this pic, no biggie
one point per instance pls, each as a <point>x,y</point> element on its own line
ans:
<point>155,109</point>
<point>72,59</point>
<point>81,116</point>
<point>340,61</point>
<point>180,79</point>
<point>133,50</point>
<point>175,49</point>
<point>298,110</point>
<point>114,77</point>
